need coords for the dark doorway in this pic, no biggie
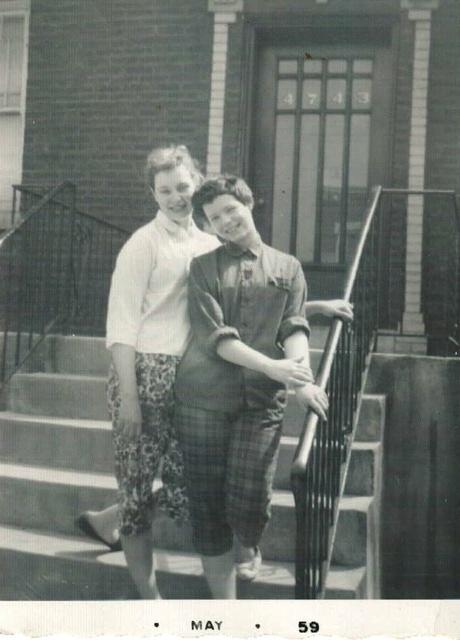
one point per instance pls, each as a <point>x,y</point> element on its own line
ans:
<point>321,140</point>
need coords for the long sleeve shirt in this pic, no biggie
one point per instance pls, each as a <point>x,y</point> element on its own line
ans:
<point>148,296</point>
<point>256,296</point>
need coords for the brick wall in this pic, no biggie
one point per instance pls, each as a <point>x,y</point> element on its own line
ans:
<point>108,81</point>
<point>442,161</point>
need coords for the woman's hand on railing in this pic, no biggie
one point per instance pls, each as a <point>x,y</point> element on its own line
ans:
<point>313,397</point>
<point>331,308</point>
<point>130,417</point>
<point>291,372</point>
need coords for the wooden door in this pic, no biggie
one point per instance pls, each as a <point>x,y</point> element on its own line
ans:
<point>320,141</point>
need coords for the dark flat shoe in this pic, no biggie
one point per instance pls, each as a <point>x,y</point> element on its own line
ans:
<point>84,525</point>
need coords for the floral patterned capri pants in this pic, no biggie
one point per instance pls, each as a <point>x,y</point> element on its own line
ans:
<point>137,461</point>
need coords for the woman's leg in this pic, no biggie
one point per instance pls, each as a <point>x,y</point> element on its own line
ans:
<point>252,458</point>
<point>203,437</point>
<point>136,464</point>
<point>220,574</point>
<point>138,551</point>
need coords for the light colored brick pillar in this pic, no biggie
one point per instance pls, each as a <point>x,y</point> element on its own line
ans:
<point>225,12</point>
<point>420,13</point>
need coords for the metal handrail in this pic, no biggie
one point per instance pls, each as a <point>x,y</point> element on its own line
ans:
<point>59,262</point>
<point>320,463</point>
<point>309,431</point>
<point>29,189</point>
<point>34,254</point>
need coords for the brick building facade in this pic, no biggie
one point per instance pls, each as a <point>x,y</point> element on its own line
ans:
<point>107,82</point>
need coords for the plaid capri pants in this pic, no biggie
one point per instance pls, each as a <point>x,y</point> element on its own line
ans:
<point>229,465</point>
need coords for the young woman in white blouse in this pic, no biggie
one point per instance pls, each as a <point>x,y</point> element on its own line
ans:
<point>148,330</point>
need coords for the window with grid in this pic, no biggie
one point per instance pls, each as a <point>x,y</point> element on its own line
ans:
<point>11,61</point>
<point>322,134</point>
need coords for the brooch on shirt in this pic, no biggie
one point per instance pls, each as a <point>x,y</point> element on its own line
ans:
<point>280,281</point>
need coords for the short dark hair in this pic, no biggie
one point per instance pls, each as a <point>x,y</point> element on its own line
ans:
<point>221,186</point>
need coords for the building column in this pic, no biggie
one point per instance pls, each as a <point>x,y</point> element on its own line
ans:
<point>225,12</point>
<point>419,11</point>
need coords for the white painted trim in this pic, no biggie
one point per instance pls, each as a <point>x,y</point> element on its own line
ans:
<point>217,97</point>
<point>412,318</point>
<point>9,9</point>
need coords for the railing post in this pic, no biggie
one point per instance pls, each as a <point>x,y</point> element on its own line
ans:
<point>69,286</point>
<point>13,207</point>
<point>298,486</point>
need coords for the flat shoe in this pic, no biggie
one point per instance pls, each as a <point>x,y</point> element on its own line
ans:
<point>83,523</point>
<point>248,570</point>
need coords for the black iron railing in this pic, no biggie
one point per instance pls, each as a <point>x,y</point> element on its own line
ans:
<point>321,461</point>
<point>56,263</point>
<point>96,244</point>
<point>35,263</point>
<point>319,467</point>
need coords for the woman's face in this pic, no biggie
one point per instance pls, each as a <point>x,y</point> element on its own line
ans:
<point>173,191</point>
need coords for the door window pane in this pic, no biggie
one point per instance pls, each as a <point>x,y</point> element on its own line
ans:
<point>336,93</point>
<point>287,94</point>
<point>287,66</point>
<point>311,94</point>
<point>11,58</point>
<point>362,66</point>
<point>357,178</point>
<point>337,66</point>
<point>332,188</point>
<point>282,188</point>
<point>362,93</point>
<point>312,66</point>
<point>308,176</point>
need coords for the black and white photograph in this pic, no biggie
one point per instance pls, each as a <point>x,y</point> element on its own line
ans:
<point>230,314</point>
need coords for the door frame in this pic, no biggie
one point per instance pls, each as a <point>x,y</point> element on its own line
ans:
<point>260,28</point>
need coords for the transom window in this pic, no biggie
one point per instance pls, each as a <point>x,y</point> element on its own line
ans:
<point>322,134</point>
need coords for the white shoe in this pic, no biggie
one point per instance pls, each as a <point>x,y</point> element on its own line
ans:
<point>249,569</point>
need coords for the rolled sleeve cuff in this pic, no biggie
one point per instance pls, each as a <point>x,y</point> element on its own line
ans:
<point>121,338</point>
<point>290,326</point>
<point>220,334</point>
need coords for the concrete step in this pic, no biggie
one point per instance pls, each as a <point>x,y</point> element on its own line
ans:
<point>52,394</point>
<point>50,499</point>
<point>73,354</point>
<point>87,355</point>
<point>354,535</point>
<point>83,445</point>
<point>370,422</point>
<point>78,444</point>
<point>84,396</point>
<point>346,583</point>
<point>40,566</point>
<point>363,471</point>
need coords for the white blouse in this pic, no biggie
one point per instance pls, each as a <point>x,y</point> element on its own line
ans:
<point>148,295</point>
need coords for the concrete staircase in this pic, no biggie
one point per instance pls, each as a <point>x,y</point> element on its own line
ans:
<point>56,461</point>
